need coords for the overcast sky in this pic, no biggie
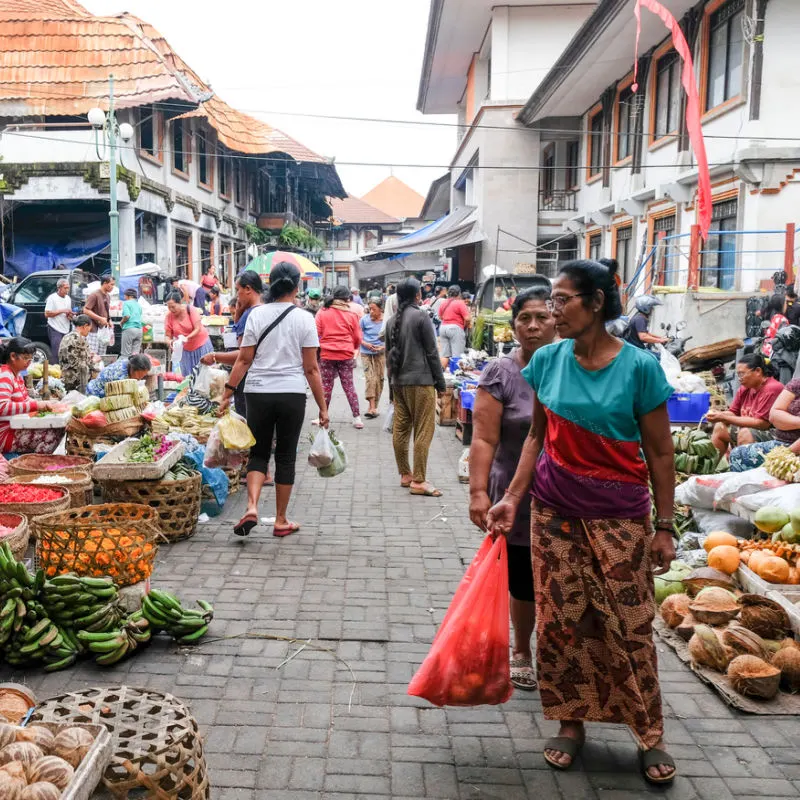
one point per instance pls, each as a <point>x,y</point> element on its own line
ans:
<point>354,58</point>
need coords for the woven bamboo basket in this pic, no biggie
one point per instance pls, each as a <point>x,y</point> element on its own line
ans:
<point>234,479</point>
<point>17,540</point>
<point>158,750</point>
<point>117,541</point>
<point>33,464</point>
<point>82,439</point>
<point>80,490</point>
<point>177,502</point>
<point>34,510</point>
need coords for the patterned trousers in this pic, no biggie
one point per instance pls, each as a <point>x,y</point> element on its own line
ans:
<point>374,369</point>
<point>414,412</point>
<point>344,369</point>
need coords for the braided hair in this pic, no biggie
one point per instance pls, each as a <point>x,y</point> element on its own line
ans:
<point>407,292</point>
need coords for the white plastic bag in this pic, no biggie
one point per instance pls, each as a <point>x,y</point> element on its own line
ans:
<point>699,491</point>
<point>339,462</point>
<point>670,364</point>
<point>322,452</point>
<point>202,383</point>
<point>388,423</point>
<point>786,498</point>
<point>740,484</point>
<point>105,335</point>
<point>177,354</point>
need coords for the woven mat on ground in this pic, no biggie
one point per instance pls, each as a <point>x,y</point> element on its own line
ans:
<point>782,703</point>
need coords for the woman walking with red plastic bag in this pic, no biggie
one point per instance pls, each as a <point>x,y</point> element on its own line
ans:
<point>599,403</point>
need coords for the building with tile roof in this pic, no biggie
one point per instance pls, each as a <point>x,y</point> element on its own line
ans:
<point>195,174</point>
<point>395,198</point>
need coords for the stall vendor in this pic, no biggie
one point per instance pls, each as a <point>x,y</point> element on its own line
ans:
<point>76,356</point>
<point>15,357</point>
<point>747,419</point>
<point>136,367</point>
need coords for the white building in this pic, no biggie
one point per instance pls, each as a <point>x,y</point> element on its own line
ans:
<point>618,170</point>
<point>482,62</point>
<point>195,174</point>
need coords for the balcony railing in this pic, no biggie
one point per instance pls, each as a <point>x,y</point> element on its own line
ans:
<point>558,200</point>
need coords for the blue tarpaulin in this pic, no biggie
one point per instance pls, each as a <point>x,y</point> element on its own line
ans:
<point>12,320</point>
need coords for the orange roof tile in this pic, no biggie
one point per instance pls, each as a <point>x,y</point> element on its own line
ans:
<point>395,198</point>
<point>353,211</point>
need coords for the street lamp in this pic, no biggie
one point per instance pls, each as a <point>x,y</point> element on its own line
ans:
<point>99,120</point>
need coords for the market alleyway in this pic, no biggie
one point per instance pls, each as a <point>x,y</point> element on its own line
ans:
<point>369,577</point>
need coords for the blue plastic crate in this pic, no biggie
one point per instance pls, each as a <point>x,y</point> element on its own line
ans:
<point>467,398</point>
<point>453,363</point>
<point>684,407</point>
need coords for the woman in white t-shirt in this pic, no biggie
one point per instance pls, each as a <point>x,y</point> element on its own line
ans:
<point>278,355</point>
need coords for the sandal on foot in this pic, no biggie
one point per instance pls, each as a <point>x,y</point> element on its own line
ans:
<point>280,532</point>
<point>522,675</point>
<point>563,744</point>
<point>654,758</point>
<point>426,492</point>
<point>245,525</point>
<point>370,415</point>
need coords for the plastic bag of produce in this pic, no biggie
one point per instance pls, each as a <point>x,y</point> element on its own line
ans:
<point>86,406</point>
<point>217,455</point>
<point>709,521</point>
<point>670,364</point>
<point>698,491</point>
<point>322,452</point>
<point>739,484</point>
<point>388,424</point>
<point>338,463</point>
<point>787,498</point>
<point>202,380</point>
<point>234,432</point>
<point>94,419</point>
<point>467,664</point>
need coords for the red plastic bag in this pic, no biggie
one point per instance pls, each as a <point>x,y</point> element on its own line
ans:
<point>94,419</point>
<point>467,664</point>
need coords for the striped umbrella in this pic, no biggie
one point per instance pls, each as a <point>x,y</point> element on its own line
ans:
<point>263,264</point>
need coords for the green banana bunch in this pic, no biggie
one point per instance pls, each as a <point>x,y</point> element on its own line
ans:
<point>81,602</point>
<point>165,612</point>
<point>109,647</point>
<point>14,575</point>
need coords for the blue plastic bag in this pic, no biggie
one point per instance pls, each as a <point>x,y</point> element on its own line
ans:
<point>214,478</point>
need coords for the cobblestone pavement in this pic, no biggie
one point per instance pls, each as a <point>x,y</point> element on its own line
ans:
<point>368,578</point>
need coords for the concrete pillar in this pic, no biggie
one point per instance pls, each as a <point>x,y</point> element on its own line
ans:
<point>164,244</point>
<point>127,238</point>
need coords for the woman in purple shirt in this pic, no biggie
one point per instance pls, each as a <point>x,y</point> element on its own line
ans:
<point>501,419</point>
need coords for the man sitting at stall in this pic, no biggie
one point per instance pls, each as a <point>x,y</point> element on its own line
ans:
<point>136,367</point>
<point>747,419</point>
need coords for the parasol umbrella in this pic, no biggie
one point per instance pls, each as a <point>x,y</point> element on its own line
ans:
<point>263,264</point>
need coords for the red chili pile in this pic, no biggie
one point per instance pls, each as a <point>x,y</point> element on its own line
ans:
<point>27,493</point>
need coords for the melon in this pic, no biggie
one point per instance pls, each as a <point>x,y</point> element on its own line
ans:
<point>770,519</point>
<point>8,734</point>
<point>754,677</point>
<point>725,558</point>
<point>24,752</point>
<point>39,735</point>
<point>72,744</point>
<point>794,519</point>
<point>774,569</point>
<point>40,791</point>
<point>11,788</point>
<point>789,535</point>
<point>51,769</point>
<point>717,538</point>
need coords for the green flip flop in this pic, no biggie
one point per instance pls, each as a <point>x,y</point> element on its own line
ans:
<point>564,744</point>
<point>652,758</point>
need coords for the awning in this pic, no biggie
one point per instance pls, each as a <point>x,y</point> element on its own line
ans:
<point>457,228</point>
<point>400,263</point>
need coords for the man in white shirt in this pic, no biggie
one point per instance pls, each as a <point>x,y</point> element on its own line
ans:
<point>58,311</point>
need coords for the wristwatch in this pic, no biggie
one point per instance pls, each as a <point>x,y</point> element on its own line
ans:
<point>231,388</point>
<point>665,524</point>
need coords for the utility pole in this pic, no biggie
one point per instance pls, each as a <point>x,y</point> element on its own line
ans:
<point>113,214</point>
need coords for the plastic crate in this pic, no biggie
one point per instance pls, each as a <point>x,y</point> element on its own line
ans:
<point>453,363</point>
<point>684,407</point>
<point>467,399</point>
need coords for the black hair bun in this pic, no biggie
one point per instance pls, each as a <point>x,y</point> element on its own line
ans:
<point>611,264</point>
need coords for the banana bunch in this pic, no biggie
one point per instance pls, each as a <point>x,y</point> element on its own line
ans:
<point>695,453</point>
<point>164,612</point>
<point>111,646</point>
<point>783,464</point>
<point>82,603</point>
<point>15,578</point>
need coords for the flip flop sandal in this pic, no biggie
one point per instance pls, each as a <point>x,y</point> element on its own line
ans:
<point>281,532</point>
<point>245,525</point>
<point>426,492</point>
<point>653,758</point>
<point>368,415</point>
<point>270,482</point>
<point>522,675</point>
<point>563,744</point>
<point>405,484</point>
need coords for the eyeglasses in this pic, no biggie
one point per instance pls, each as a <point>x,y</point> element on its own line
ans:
<point>560,300</point>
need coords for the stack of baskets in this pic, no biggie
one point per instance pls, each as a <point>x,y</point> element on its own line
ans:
<point>34,510</point>
<point>234,478</point>
<point>117,541</point>
<point>81,438</point>
<point>80,486</point>
<point>33,464</point>
<point>17,540</point>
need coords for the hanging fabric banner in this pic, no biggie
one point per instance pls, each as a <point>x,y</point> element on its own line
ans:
<point>693,114</point>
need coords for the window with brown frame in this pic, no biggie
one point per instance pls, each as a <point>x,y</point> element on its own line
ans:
<point>548,171</point>
<point>183,254</point>
<point>150,133</point>
<point>225,263</point>
<point>666,264</point>
<point>725,54</point>
<point>340,238</point>
<point>238,193</point>
<point>206,253</point>
<point>718,267</point>
<point>252,194</point>
<point>667,95</point>
<point>624,251</point>
<point>205,174</point>
<point>573,155</point>
<point>224,172</point>
<point>180,160</point>
<point>625,124</point>
<point>595,139</point>
<point>595,245</point>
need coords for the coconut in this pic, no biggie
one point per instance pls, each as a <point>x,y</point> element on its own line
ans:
<point>8,734</point>
<point>754,677</point>
<point>787,661</point>
<point>25,752</point>
<point>764,616</point>
<point>11,788</point>
<point>788,642</point>
<point>707,650</point>
<point>40,791</point>
<point>706,576</point>
<point>743,642</point>
<point>39,735</point>
<point>686,628</point>
<point>714,606</point>
<point>674,609</point>
<point>72,744</point>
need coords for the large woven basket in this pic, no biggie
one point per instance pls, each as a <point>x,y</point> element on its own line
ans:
<point>33,464</point>
<point>80,490</point>
<point>117,541</point>
<point>177,502</point>
<point>17,540</point>
<point>158,750</point>
<point>81,439</point>
<point>234,479</point>
<point>34,510</point>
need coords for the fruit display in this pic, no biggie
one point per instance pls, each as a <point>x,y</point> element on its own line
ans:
<point>149,448</point>
<point>695,454</point>
<point>725,558</point>
<point>671,582</point>
<point>55,621</point>
<point>185,419</point>
<point>773,561</point>
<point>36,764</point>
<point>783,464</point>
